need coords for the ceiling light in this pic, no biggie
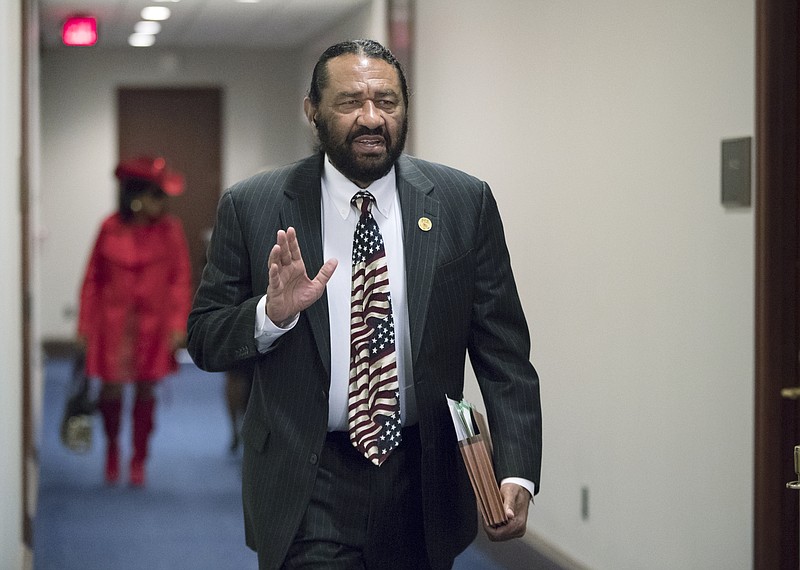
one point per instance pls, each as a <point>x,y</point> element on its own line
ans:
<point>147,27</point>
<point>141,40</point>
<point>157,13</point>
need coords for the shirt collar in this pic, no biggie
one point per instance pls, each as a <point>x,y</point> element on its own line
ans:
<point>341,190</point>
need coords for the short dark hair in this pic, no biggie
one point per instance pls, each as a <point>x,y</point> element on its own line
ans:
<point>368,48</point>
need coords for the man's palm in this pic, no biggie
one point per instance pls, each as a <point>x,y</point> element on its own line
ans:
<point>290,290</point>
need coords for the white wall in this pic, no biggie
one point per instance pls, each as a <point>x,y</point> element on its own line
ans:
<point>598,125</point>
<point>11,546</point>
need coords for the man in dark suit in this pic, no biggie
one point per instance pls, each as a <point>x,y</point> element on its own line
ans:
<point>312,497</point>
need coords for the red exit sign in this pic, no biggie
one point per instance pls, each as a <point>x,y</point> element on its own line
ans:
<point>79,31</point>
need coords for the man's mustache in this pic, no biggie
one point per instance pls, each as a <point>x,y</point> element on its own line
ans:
<point>364,131</point>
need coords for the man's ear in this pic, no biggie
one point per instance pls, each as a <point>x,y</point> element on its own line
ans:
<point>310,111</point>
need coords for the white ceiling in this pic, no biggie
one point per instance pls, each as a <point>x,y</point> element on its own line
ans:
<point>276,24</point>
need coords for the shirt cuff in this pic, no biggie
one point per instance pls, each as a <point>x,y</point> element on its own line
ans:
<point>529,485</point>
<point>267,332</point>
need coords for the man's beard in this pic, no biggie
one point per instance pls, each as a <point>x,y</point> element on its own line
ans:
<point>364,169</point>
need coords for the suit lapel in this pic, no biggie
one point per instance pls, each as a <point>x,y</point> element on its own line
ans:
<point>421,243</point>
<point>302,210</point>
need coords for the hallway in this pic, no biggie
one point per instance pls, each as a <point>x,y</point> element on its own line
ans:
<point>189,514</point>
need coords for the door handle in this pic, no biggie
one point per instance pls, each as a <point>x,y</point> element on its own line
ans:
<point>792,393</point>
<point>795,485</point>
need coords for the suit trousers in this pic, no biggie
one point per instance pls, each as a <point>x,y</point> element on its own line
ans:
<point>361,516</point>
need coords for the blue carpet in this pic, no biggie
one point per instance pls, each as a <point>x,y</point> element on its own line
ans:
<point>189,514</point>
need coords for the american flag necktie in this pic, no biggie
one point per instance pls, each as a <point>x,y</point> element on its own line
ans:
<point>374,400</point>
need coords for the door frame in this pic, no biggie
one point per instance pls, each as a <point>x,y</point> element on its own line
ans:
<point>29,462</point>
<point>776,284</point>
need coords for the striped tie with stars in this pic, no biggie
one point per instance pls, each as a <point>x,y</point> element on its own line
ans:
<point>374,400</point>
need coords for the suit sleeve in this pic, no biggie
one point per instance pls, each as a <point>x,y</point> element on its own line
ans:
<point>499,349</point>
<point>221,324</point>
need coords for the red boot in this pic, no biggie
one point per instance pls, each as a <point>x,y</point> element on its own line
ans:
<point>143,410</point>
<point>110,410</point>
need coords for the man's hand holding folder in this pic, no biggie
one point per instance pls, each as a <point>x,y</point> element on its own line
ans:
<point>504,510</point>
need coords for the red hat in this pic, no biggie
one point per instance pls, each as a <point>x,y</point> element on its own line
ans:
<point>152,169</point>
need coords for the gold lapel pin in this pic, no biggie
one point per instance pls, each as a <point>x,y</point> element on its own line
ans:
<point>424,224</point>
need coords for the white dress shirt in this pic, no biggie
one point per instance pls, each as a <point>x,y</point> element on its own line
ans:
<point>339,218</point>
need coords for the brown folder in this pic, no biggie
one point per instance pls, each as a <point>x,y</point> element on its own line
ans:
<point>477,454</point>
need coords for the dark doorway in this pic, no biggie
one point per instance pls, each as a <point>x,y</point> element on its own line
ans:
<point>183,125</point>
<point>777,418</point>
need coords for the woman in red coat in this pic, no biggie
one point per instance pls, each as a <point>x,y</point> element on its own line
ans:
<point>135,299</point>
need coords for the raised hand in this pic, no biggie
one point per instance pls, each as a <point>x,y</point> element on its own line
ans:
<point>290,290</point>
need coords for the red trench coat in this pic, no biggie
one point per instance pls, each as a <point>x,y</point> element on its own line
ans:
<point>135,295</point>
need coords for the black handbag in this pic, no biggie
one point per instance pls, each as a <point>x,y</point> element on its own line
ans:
<point>76,423</point>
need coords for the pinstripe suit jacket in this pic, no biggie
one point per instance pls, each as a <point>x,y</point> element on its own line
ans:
<point>461,299</point>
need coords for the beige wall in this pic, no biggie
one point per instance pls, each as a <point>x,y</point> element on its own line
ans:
<point>598,126</point>
<point>11,547</point>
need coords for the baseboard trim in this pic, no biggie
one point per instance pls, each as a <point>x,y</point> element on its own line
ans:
<point>529,551</point>
<point>552,552</point>
<point>57,347</point>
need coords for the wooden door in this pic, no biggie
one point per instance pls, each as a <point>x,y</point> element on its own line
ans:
<point>777,428</point>
<point>183,125</point>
